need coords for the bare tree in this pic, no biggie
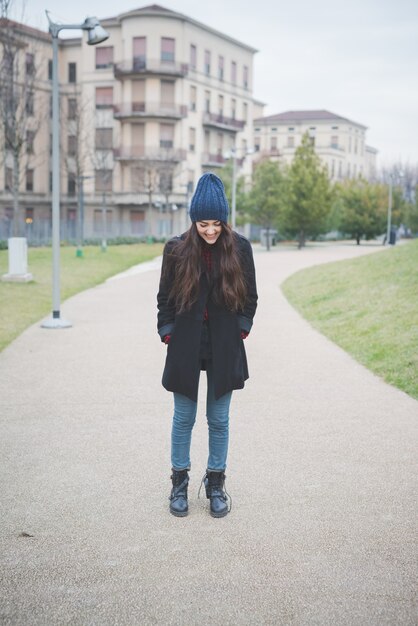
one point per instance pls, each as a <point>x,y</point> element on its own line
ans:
<point>21,111</point>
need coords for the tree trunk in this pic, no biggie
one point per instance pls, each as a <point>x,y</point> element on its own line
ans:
<point>358,239</point>
<point>16,216</point>
<point>268,238</point>
<point>301,239</point>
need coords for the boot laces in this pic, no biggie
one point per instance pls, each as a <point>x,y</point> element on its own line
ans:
<point>227,496</point>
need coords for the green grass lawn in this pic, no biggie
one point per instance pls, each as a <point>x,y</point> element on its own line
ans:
<point>369,307</point>
<point>24,304</point>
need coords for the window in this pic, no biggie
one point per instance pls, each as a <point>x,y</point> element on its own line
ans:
<point>220,105</point>
<point>30,64</point>
<point>29,216</point>
<point>8,182</point>
<point>339,169</point>
<point>167,50</point>
<point>98,221</point>
<point>50,106</point>
<point>166,182</point>
<point>104,57</point>
<point>50,181</point>
<point>334,141</point>
<point>245,77</point>
<point>291,129</point>
<point>103,180</point>
<point>332,168</point>
<point>334,127</point>
<point>257,143</point>
<point>349,144</point>
<point>355,145</point>
<point>72,72</point>
<point>245,111</point>
<point>29,180</point>
<point>273,144</point>
<point>72,145</point>
<point>29,103</point>
<point>354,170</point>
<point>192,139</point>
<point>207,62</point>
<point>104,97</point>
<point>233,73</point>
<point>207,101</point>
<point>220,68</point>
<point>233,108</point>
<point>193,57</point>
<point>312,140</point>
<point>349,170</point>
<point>167,93</point>
<point>104,138</point>
<point>140,53</point>
<point>30,138</point>
<point>166,135</point>
<point>291,142</point>
<point>72,108</point>
<point>49,69</point>
<point>219,144</point>
<point>137,219</point>
<point>71,185</point>
<point>193,96</point>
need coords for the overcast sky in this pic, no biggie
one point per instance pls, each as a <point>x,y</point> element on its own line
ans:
<point>358,59</point>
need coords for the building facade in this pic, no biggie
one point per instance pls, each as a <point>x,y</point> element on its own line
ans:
<point>143,115</point>
<point>339,142</point>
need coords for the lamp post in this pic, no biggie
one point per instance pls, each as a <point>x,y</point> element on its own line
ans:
<point>233,156</point>
<point>390,200</point>
<point>95,34</point>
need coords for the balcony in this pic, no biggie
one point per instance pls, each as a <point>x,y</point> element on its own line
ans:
<point>213,160</point>
<point>141,67</point>
<point>134,110</point>
<point>155,155</point>
<point>220,121</point>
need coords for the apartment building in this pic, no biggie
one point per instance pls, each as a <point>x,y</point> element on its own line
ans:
<point>339,142</point>
<point>143,115</point>
<point>25,96</point>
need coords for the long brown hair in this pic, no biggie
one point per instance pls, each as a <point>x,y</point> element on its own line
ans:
<point>186,255</point>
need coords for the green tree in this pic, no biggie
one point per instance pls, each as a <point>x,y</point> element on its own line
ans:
<point>309,197</point>
<point>364,206</point>
<point>267,197</point>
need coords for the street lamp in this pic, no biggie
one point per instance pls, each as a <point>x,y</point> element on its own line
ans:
<point>389,218</point>
<point>233,156</point>
<point>95,34</point>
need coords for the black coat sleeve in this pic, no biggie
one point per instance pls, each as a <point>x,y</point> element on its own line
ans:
<point>166,306</point>
<point>247,314</point>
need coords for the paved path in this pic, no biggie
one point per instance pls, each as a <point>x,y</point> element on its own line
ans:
<point>322,471</point>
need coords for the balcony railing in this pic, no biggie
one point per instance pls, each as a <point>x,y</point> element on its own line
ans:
<point>143,153</point>
<point>221,121</point>
<point>149,66</point>
<point>149,109</point>
<point>213,159</point>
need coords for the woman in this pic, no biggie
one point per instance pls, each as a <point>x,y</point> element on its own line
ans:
<point>206,303</point>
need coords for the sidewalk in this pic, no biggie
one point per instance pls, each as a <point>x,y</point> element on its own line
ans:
<point>322,471</point>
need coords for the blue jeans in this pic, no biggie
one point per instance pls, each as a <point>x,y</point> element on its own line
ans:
<point>217,413</point>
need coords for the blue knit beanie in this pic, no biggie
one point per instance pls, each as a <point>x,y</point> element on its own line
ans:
<point>209,200</point>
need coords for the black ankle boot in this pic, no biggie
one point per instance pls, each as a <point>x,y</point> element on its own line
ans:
<point>178,497</point>
<point>215,492</point>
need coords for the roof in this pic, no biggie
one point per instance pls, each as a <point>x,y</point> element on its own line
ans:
<point>157,9</point>
<point>319,115</point>
<point>23,29</point>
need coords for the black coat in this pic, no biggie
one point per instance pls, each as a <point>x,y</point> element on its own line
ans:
<point>183,362</point>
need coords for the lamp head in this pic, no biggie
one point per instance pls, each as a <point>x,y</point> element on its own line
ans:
<point>95,32</point>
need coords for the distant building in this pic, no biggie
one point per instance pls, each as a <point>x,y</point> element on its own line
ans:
<point>339,142</point>
<point>143,114</point>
